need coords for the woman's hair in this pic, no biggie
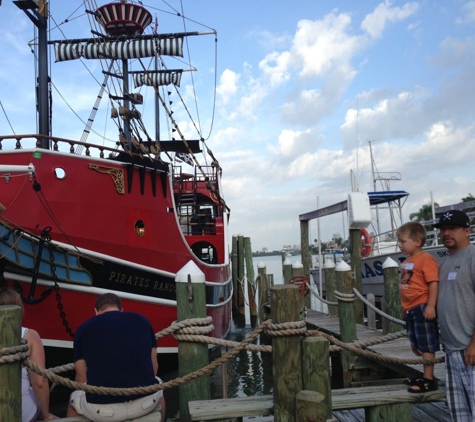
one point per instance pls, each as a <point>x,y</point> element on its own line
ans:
<point>10,297</point>
<point>413,230</point>
<point>108,299</point>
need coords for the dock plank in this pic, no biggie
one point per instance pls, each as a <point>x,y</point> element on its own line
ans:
<point>225,408</point>
<point>399,348</point>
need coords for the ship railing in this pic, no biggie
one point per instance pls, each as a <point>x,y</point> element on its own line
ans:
<point>384,242</point>
<point>75,147</point>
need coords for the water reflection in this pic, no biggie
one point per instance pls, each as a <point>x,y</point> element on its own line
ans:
<point>246,374</point>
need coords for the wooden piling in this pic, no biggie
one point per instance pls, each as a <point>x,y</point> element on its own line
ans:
<point>192,356</point>
<point>286,353</point>
<point>240,319</point>
<point>251,291</point>
<point>298,271</point>
<point>306,256</point>
<point>316,370</point>
<point>287,270</point>
<point>330,285</point>
<point>263,291</point>
<point>347,321</point>
<point>305,248</point>
<point>371,315</point>
<point>355,244</point>
<point>391,295</point>
<point>310,407</point>
<point>10,373</point>
<point>234,269</point>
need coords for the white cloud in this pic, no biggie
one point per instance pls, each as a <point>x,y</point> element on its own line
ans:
<point>228,86</point>
<point>375,23</point>
<point>469,13</point>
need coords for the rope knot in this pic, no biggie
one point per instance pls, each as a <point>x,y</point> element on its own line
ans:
<point>14,353</point>
<point>345,297</point>
<point>286,329</point>
<point>186,329</point>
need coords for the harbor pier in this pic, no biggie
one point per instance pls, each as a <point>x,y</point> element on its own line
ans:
<point>305,356</point>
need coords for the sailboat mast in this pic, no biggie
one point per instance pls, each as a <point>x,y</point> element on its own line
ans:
<point>157,107</point>
<point>373,175</point>
<point>38,14</point>
<point>125,90</point>
<point>43,77</point>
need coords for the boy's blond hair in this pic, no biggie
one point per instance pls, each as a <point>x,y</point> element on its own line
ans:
<point>413,230</point>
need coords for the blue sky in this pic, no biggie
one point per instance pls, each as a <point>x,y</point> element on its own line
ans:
<point>302,87</point>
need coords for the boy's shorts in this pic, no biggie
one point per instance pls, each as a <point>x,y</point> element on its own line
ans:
<point>422,333</point>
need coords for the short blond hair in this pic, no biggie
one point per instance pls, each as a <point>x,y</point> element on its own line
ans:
<point>413,230</point>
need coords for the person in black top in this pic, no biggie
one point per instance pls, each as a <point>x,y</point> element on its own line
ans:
<point>119,350</point>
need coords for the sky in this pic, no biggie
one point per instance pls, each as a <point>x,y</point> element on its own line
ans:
<point>302,89</point>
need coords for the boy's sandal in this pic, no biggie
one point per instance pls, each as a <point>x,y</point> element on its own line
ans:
<point>423,385</point>
<point>410,381</point>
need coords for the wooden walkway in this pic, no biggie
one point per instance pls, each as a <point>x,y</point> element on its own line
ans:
<point>399,348</point>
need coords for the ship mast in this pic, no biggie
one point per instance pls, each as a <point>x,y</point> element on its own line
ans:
<point>38,14</point>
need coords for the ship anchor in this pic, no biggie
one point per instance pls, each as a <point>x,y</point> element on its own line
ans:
<point>30,299</point>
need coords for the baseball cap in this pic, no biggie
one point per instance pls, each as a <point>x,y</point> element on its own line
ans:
<point>453,218</point>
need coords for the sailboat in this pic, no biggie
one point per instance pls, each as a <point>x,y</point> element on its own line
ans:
<point>378,245</point>
<point>80,217</point>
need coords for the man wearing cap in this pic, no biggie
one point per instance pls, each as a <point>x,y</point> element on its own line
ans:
<point>456,313</point>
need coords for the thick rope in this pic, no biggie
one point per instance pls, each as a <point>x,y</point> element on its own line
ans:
<point>345,297</point>
<point>14,353</point>
<point>378,311</point>
<point>182,325</point>
<point>356,348</point>
<point>348,297</point>
<point>286,329</point>
<point>320,298</point>
<point>298,328</point>
<point>152,388</point>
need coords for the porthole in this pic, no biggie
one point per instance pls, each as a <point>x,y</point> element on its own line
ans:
<point>139,228</point>
<point>59,173</point>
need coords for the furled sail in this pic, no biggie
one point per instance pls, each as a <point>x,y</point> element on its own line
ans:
<point>158,79</point>
<point>133,49</point>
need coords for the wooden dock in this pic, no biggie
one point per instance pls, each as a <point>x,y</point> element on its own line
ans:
<point>399,348</point>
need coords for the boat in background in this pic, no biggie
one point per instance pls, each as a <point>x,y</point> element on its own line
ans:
<point>78,219</point>
<point>384,245</point>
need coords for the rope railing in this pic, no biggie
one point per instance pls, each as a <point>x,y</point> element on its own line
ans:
<point>378,311</point>
<point>351,297</point>
<point>196,330</point>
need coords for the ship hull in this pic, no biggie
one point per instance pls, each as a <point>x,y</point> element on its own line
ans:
<point>79,226</point>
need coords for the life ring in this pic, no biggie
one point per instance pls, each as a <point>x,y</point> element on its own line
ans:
<point>365,243</point>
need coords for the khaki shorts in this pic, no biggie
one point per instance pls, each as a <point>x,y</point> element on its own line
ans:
<point>114,412</point>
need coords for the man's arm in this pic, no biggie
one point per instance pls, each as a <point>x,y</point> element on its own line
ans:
<point>154,360</point>
<point>470,352</point>
<point>429,312</point>
<point>81,369</point>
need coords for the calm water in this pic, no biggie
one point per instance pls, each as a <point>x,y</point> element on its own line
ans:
<point>248,373</point>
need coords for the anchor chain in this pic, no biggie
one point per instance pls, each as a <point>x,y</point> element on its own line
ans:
<point>58,296</point>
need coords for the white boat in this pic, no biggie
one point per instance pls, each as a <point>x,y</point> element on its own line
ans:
<point>384,245</point>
